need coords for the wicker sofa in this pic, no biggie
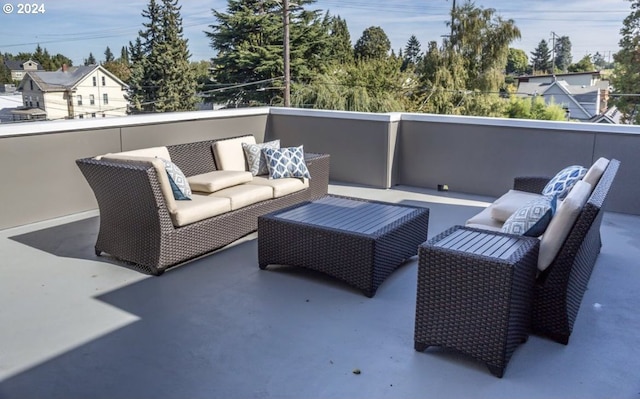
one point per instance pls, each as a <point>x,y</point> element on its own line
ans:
<point>143,226</point>
<point>560,287</point>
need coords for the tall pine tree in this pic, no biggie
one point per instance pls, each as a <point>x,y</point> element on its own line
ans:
<point>248,39</point>
<point>412,53</point>
<point>161,78</point>
<point>541,58</point>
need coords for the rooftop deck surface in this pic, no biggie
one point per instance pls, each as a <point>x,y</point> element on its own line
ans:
<point>78,326</point>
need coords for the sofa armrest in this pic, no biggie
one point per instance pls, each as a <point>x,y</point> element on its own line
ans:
<point>318,165</point>
<point>530,184</point>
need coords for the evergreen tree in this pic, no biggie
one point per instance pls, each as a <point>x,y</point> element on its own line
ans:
<point>541,58</point>
<point>161,78</point>
<point>248,38</point>
<point>626,74</point>
<point>91,60</point>
<point>412,53</point>
<point>340,47</point>
<point>124,55</point>
<point>373,43</point>
<point>108,55</point>
<point>563,53</point>
<point>517,62</point>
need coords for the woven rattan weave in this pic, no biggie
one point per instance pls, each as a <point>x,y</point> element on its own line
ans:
<point>357,241</point>
<point>135,225</point>
<point>474,293</point>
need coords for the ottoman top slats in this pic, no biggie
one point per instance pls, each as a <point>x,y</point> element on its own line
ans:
<point>346,214</point>
<point>479,243</point>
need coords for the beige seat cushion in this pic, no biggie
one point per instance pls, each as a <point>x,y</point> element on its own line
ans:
<point>229,154</point>
<point>218,180</point>
<point>595,171</point>
<point>151,152</point>
<point>281,187</point>
<point>161,172</point>
<point>561,223</point>
<point>483,220</point>
<point>244,194</point>
<point>198,208</point>
<point>511,201</point>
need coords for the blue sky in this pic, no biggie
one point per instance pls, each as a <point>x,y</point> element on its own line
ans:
<point>75,28</point>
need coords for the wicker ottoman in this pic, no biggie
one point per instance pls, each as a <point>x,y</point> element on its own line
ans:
<point>474,293</point>
<point>357,241</point>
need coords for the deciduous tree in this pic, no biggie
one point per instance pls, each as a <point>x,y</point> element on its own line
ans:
<point>626,74</point>
<point>517,62</point>
<point>373,44</point>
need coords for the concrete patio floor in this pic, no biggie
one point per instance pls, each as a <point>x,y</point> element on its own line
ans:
<point>77,326</point>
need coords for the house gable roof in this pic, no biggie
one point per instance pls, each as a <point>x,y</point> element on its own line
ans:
<point>66,80</point>
<point>18,65</point>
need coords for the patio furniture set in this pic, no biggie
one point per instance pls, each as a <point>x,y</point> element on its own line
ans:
<point>481,287</point>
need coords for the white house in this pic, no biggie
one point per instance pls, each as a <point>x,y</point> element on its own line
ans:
<point>583,94</point>
<point>73,93</point>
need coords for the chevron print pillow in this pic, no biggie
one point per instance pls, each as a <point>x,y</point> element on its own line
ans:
<point>178,181</point>
<point>533,218</point>
<point>255,158</point>
<point>286,162</point>
<point>564,181</point>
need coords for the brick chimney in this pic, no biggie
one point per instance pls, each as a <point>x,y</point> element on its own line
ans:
<point>64,67</point>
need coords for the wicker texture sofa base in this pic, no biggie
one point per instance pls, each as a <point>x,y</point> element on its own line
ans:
<point>357,241</point>
<point>135,224</point>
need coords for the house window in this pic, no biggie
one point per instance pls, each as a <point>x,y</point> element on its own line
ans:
<point>105,98</point>
<point>104,115</point>
<point>104,82</point>
<point>93,114</point>
<point>95,83</point>
<point>38,102</point>
<point>30,101</point>
<point>79,99</point>
<point>80,116</point>
<point>31,84</point>
<point>92,99</point>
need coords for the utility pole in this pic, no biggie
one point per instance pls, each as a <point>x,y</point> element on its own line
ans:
<point>553,54</point>
<point>287,72</point>
<point>453,11</point>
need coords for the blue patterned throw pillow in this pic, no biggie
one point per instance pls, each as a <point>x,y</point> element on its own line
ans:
<point>532,218</point>
<point>178,181</point>
<point>286,162</point>
<point>255,158</point>
<point>564,181</point>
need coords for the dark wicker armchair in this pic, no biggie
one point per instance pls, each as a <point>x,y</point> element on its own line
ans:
<point>559,289</point>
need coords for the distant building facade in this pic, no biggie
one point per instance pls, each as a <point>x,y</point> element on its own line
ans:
<point>73,93</point>
<point>584,95</point>
<point>20,68</point>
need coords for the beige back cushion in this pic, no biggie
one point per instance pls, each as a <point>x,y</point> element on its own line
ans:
<point>152,152</point>
<point>229,154</point>
<point>595,171</point>
<point>163,179</point>
<point>562,222</point>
